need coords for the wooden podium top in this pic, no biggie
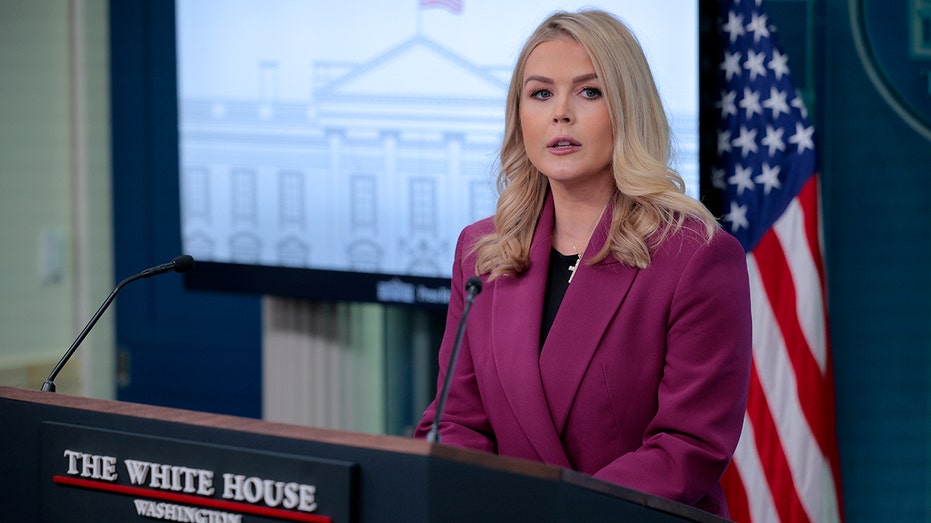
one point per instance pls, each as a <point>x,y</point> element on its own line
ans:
<point>284,430</point>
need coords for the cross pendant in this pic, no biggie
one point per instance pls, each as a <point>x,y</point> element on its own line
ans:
<point>574,267</point>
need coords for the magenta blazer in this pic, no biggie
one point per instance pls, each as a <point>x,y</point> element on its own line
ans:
<point>642,380</point>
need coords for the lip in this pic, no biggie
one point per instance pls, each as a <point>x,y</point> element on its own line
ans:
<point>569,145</point>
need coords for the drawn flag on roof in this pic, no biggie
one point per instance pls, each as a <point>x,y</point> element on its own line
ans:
<point>454,6</point>
<point>786,466</point>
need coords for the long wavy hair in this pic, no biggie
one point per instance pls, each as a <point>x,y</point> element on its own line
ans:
<point>649,195</point>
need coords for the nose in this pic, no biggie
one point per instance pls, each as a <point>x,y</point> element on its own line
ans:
<point>561,112</point>
<point>561,118</point>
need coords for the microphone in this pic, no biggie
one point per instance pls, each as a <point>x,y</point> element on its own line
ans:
<point>181,263</point>
<point>473,286</point>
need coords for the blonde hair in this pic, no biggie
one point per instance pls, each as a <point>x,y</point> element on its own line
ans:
<point>649,196</point>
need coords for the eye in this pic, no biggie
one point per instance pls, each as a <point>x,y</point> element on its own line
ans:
<point>591,92</point>
<point>541,94</point>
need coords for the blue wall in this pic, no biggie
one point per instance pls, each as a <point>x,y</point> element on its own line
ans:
<point>877,188</point>
<point>195,350</point>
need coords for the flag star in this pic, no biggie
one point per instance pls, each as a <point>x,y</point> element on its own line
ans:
<point>742,179</point>
<point>799,104</point>
<point>751,103</point>
<point>746,141</point>
<point>757,26</point>
<point>734,26</point>
<point>737,217</point>
<point>773,139</point>
<point>754,64</point>
<point>802,137</point>
<point>779,64</point>
<point>717,178</point>
<point>724,142</point>
<point>727,105</point>
<point>731,65</point>
<point>769,178</point>
<point>776,102</point>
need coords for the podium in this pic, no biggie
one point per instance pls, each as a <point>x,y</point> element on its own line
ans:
<point>67,458</point>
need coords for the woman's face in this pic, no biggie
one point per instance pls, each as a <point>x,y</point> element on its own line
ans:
<point>564,117</point>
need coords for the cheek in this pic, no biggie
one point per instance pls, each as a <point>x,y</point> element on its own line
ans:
<point>524,119</point>
<point>605,132</point>
<point>529,130</point>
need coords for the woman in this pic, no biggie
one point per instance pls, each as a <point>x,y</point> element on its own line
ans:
<point>613,333</point>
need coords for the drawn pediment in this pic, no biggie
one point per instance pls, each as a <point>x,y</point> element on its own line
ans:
<point>417,68</point>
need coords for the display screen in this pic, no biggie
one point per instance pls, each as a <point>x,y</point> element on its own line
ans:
<point>335,150</point>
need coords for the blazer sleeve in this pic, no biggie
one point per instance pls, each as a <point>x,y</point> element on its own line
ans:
<point>464,421</point>
<point>703,390</point>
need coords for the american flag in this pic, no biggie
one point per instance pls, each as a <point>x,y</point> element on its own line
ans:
<point>786,464</point>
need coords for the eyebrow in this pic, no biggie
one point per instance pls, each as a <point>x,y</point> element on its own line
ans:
<point>576,80</point>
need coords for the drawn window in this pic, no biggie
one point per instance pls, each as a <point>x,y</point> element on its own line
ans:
<point>291,197</point>
<point>364,208</point>
<point>244,204</point>
<point>196,193</point>
<point>423,204</point>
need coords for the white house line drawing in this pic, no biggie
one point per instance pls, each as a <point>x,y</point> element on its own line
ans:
<point>370,174</point>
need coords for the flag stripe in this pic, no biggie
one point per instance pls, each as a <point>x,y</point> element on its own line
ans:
<point>809,198</point>
<point>785,390</point>
<point>784,274</point>
<point>781,297</point>
<point>753,478</point>
<point>780,386</point>
<point>804,476</point>
<point>769,447</point>
<point>809,306</point>
<point>738,506</point>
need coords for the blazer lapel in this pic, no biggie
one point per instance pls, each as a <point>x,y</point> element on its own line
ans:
<point>517,312</point>
<point>591,301</point>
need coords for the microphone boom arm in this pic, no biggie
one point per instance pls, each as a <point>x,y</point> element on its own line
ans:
<point>180,264</point>
<point>49,385</point>
<point>473,287</point>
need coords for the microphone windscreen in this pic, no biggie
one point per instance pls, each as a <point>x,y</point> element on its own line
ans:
<point>474,285</point>
<point>183,263</point>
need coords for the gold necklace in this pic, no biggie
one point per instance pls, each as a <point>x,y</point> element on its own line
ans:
<point>578,260</point>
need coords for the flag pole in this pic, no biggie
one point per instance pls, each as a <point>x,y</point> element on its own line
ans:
<point>419,18</point>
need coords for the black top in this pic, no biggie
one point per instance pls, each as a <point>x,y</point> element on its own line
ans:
<point>557,281</point>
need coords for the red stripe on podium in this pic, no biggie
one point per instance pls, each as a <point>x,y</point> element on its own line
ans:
<point>191,500</point>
